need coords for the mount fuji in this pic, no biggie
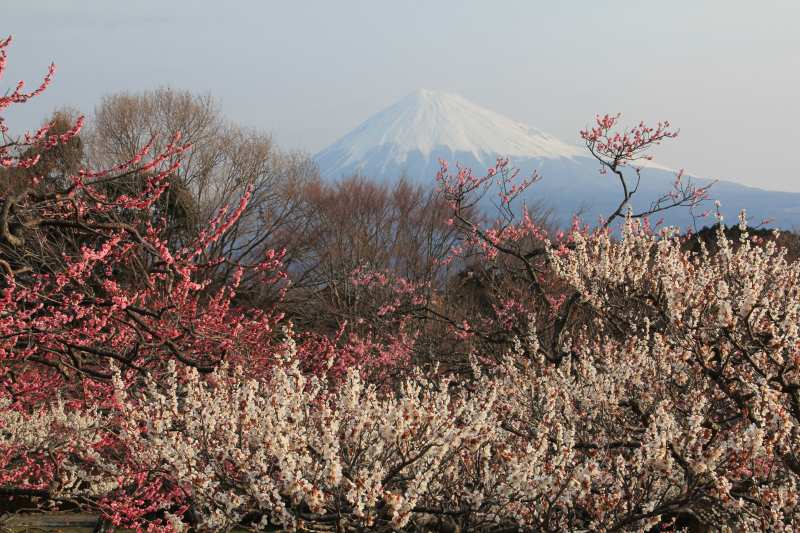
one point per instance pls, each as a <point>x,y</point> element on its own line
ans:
<point>408,139</point>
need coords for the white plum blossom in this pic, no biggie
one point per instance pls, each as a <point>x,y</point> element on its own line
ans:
<point>694,414</point>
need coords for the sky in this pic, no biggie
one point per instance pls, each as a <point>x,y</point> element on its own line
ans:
<point>725,72</point>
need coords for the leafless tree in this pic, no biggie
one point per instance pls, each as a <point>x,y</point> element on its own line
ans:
<point>224,160</point>
<point>359,223</point>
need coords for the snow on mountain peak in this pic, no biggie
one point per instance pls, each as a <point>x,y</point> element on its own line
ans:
<point>426,121</point>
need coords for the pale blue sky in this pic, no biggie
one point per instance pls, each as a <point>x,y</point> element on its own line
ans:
<point>726,72</point>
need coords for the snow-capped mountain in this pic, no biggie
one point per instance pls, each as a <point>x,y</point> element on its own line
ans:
<point>408,139</point>
<point>425,123</point>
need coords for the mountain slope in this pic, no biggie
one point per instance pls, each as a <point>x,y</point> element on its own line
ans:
<point>408,139</point>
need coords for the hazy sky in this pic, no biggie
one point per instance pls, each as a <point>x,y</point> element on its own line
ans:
<point>726,72</point>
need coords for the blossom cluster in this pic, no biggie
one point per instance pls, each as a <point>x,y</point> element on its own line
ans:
<point>694,412</point>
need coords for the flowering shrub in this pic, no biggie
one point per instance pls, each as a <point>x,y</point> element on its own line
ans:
<point>693,413</point>
<point>88,278</point>
<point>90,283</point>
